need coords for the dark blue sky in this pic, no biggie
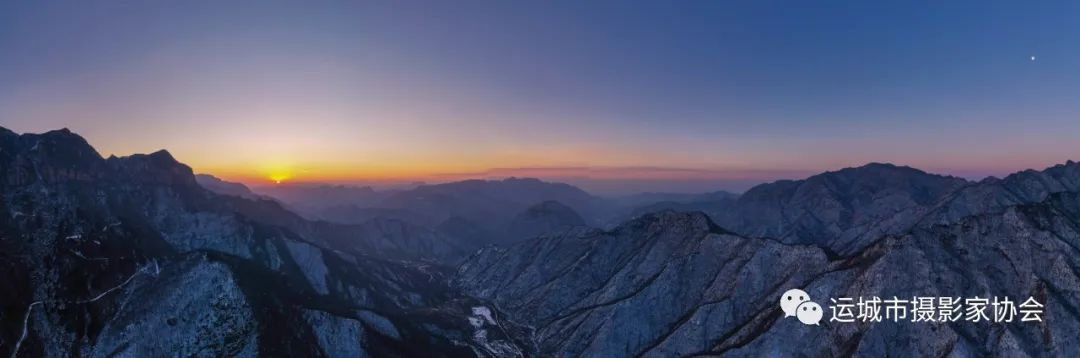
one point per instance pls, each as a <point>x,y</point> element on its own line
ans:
<point>734,89</point>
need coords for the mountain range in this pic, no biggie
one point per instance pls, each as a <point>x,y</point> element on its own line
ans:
<point>137,256</point>
<point>131,257</point>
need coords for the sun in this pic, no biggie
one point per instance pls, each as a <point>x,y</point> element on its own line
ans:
<point>279,178</point>
<point>277,171</point>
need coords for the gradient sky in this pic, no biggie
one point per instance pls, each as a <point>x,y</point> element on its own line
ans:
<point>674,96</point>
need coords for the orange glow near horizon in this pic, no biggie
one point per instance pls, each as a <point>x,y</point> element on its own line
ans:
<point>276,174</point>
<point>282,151</point>
<point>402,173</point>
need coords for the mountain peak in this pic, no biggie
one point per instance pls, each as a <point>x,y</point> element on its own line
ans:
<point>156,168</point>
<point>545,217</point>
<point>52,156</point>
<point>693,221</point>
<point>1068,164</point>
<point>885,175</point>
<point>163,155</point>
<point>548,207</point>
<point>219,186</point>
<point>522,180</point>
<point>882,165</point>
<point>59,141</point>
<point>883,168</point>
<point>851,206</point>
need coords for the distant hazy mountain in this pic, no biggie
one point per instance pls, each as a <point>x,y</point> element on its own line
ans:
<point>353,214</point>
<point>546,217</point>
<point>489,211</point>
<point>643,199</point>
<point>131,257</point>
<point>487,207</point>
<point>382,237</point>
<point>465,230</point>
<point>222,187</point>
<point>490,204</point>
<point>313,200</point>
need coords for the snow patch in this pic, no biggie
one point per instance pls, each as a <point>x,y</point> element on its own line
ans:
<point>379,324</point>
<point>483,312</point>
<point>485,346</point>
<point>311,263</point>
<point>338,336</point>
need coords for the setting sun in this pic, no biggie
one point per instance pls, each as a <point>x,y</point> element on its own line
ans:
<point>278,178</point>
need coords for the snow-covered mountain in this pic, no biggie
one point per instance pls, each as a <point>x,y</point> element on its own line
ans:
<point>676,284</point>
<point>841,211</point>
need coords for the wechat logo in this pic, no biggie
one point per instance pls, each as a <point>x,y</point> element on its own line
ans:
<point>796,302</point>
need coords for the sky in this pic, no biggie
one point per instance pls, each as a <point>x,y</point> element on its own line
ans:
<point>617,96</point>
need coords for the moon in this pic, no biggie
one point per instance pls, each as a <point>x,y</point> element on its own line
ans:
<point>1033,58</point>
